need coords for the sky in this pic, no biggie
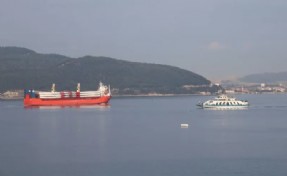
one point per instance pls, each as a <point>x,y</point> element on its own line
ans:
<point>219,39</point>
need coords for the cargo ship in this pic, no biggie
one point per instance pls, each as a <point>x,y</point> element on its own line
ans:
<point>67,98</point>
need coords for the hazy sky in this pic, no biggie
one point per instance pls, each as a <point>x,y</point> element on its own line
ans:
<point>215,38</point>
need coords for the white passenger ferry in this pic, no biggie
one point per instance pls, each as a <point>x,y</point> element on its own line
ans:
<point>224,102</point>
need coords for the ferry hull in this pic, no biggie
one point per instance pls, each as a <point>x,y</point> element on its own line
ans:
<point>225,107</point>
<point>65,102</point>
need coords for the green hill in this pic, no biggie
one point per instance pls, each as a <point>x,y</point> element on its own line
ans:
<point>265,78</point>
<point>23,68</point>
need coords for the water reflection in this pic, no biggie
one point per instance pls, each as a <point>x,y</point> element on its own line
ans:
<point>98,107</point>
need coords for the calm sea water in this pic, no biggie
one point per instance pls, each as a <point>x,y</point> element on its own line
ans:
<point>141,136</point>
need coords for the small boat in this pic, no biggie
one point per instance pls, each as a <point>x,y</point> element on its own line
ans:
<point>67,98</point>
<point>184,125</point>
<point>224,102</point>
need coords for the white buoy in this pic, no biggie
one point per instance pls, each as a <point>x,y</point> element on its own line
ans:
<point>184,125</point>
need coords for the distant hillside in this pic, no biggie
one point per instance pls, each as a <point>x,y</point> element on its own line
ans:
<point>23,68</point>
<point>265,78</point>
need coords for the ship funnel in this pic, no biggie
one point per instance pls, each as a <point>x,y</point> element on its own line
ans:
<point>101,84</point>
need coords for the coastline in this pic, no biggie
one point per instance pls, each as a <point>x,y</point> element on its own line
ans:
<point>20,97</point>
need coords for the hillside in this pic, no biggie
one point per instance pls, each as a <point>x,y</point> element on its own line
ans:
<point>23,68</point>
<point>265,78</point>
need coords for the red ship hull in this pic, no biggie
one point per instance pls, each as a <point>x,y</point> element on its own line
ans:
<point>65,101</point>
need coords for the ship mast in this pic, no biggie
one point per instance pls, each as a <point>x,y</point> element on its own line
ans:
<point>78,87</point>
<point>53,87</point>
